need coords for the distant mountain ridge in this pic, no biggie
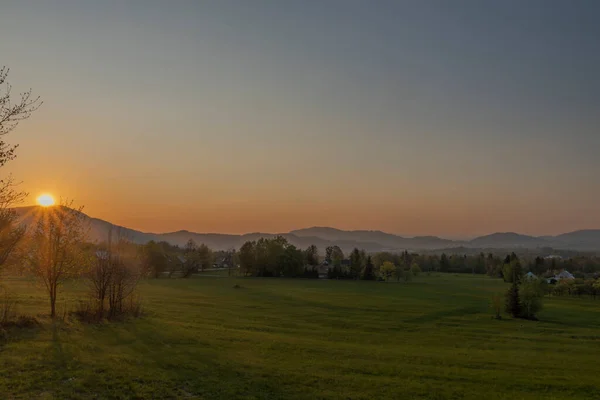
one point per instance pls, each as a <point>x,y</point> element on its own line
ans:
<point>582,240</point>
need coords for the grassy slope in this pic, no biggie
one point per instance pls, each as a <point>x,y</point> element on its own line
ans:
<point>432,338</point>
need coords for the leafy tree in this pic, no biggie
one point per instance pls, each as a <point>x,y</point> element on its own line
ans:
<point>154,258</point>
<point>399,271</point>
<point>205,257</point>
<point>512,272</point>
<point>415,269</point>
<point>271,257</point>
<point>329,254</point>
<point>369,271</point>
<point>530,298</point>
<point>478,264</point>
<point>247,258</point>
<point>311,256</point>
<point>513,304</point>
<point>337,255</point>
<point>381,257</point>
<point>387,270</point>
<point>292,261</point>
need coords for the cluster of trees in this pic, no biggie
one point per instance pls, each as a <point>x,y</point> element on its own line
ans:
<point>575,287</point>
<point>524,298</point>
<point>454,263</point>
<point>492,264</point>
<point>275,257</point>
<point>162,258</point>
<point>579,265</point>
<point>55,251</point>
<point>54,248</point>
<point>358,266</point>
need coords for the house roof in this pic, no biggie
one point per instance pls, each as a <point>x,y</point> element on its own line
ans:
<point>565,275</point>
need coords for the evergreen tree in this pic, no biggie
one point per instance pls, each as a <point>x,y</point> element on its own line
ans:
<point>513,304</point>
<point>356,263</point>
<point>444,263</point>
<point>369,272</point>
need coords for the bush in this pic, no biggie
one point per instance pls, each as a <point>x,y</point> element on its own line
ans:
<point>87,311</point>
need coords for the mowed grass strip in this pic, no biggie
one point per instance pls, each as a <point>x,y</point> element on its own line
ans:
<point>432,338</point>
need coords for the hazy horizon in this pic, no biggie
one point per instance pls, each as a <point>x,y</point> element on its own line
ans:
<point>415,118</point>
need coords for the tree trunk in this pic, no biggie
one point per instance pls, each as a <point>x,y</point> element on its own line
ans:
<point>53,302</point>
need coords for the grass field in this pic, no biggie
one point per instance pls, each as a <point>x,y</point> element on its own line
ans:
<point>432,338</point>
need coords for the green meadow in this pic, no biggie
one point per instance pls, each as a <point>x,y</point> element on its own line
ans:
<point>201,338</point>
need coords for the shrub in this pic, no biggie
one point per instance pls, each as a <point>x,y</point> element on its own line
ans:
<point>87,311</point>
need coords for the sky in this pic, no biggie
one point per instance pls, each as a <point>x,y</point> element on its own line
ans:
<point>413,117</point>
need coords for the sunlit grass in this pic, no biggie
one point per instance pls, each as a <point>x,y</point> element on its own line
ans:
<point>308,339</point>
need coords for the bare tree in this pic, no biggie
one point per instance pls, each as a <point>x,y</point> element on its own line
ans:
<point>125,273</point>
<point>100,276</point>
<point>114,275</point>
<point>56,247</point>
<point>190,259</point>
<point>11,113</point>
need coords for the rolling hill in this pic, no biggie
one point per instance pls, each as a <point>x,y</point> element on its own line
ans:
<point>583,240</point>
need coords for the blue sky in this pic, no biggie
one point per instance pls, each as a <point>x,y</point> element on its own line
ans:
<point>415,117</point>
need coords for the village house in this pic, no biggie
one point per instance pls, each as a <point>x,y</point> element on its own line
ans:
<point>563,275</point>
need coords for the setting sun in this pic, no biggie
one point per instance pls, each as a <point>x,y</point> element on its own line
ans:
<point>45,200</point>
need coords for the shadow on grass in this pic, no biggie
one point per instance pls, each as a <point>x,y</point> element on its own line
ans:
<point>149,359</point>
<point>438,315</point>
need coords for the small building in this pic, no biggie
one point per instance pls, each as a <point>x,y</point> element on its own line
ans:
<point>323,270</point>
<point>530,276</point>
<point>563,275</point>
